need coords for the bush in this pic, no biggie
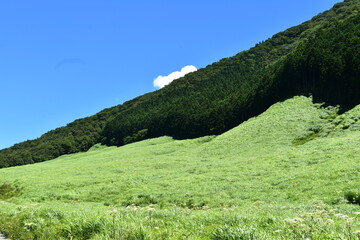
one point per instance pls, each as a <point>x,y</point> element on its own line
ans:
<point>352,197</point>
<point>8,190</point>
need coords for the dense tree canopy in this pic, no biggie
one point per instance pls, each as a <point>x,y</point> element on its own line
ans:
<point>326,66</point>
<point>222,95</point>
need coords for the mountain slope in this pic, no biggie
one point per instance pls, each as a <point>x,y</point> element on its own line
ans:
<point>226,93</point>
<point>255,176</point>
<point>77,136</point>
<point>222,95</point>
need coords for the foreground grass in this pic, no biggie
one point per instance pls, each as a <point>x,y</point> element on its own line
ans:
<point>286,174</point>
<point>257,221</point>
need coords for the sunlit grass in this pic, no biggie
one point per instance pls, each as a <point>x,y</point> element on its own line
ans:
<point>281,175</point>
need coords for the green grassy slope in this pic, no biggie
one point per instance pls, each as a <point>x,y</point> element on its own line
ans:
<point>220,96</point>
<point>285,174</point>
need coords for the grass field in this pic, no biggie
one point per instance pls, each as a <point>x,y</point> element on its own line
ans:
<point>291,173</point>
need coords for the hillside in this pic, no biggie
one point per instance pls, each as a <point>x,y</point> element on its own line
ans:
<point>77,136</point>
<point>319,57</point>
<point>267,178</point>
<point>224,94</point>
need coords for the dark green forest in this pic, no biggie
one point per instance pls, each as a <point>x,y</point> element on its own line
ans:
<point>77,136</point>
<point>325,65</point>
<point>319,57</point>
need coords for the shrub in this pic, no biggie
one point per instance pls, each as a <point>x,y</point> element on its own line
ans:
<point>352,197</point>
<point>8,190</point>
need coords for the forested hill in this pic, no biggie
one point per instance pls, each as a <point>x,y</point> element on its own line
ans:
<point>323,61</point>
<point>319,57</point>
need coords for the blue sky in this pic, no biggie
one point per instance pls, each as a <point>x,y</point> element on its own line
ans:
<point>61,60</point>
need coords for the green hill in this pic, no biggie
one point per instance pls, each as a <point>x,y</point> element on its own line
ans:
<point>319,57</point>
<point>289,173</point>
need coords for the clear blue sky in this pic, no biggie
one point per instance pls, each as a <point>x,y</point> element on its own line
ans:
<point>61,60</point>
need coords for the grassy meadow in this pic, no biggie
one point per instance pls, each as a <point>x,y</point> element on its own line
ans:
<point>293,172</point>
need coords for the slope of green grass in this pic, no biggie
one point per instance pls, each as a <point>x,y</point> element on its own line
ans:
<point>285,174</point>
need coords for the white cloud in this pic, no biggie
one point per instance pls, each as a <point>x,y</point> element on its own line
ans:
<point>162,81</point>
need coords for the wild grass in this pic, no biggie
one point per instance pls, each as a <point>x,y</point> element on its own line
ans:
<point>265,179</point>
